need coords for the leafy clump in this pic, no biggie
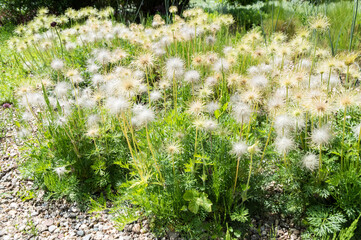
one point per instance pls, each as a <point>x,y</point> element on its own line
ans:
<point>324,222</point>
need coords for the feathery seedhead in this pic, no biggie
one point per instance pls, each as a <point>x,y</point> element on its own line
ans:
<point>60,171</point>
<point>117,105</point>
<point>142,115</point>
<point>174,68</point>
<point>321,136</point>
<point>283,123</point>
<point>57,64</point>
<point>174,148</point>
<point>192,76</point>
<point>196,107</point>
<point>239,149</point>
<point>155,95</point>
<point>212,107</point>
<point>284,144</point>
<point>319,23</point>
<point>310,161</point>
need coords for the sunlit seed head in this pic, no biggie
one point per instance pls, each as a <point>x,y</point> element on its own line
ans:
<point>192,76</point>
<point>143,115</point>
<point>321,136</point>
<point>144,61</point>
<point>196,107</point>
<point>319,23</point>
<point>173,9</point>
<point>211,81</point>
<point>62,89</point>
<point>60,171</point>
<point>275,104</point>
<point>241,112</point>
<point>239,149</point>
<point>284,144</point>
<point>320,107</point>
<point>93,132</point>
<point>57,64</point>
<point>97,79</point>
<point>221,65</point>
<point>155,95</point>
<point>210,125</point>
<point>258,81</point>
<point>310,161</point>
<point>174,148</point>
<point>283,123</point>
<point>174,68</point>
<point>198,123</point>
<point>251,96</point>
<point>350,58</point>
<point>211,107</point>
<point>117,105</point>
<point>233,79</point>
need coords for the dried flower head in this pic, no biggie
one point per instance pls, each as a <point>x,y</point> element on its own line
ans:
<point>239,148</point>
<point>310,161</point>
<point>321,136</point>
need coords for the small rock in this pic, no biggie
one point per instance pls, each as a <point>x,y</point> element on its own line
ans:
<point>87,237</point>
<point>125,237</point>
<point>13,205</point>
<point>136,228</point>
<point>80,233</point>
<point>34,214</point>
<point>48,222</point>
<point>74,209</point>
<point>52,228</point>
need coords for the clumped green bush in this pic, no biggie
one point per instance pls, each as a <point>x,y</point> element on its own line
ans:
<point>24,10</point>
<point>188,125</point>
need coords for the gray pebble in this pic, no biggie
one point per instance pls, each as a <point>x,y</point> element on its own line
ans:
<point>80,233</point>
<point>52,228</point>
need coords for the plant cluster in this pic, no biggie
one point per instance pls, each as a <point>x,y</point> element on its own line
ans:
<point>188,125</point>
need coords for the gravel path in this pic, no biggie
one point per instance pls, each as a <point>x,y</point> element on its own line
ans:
<point>26,216</point>
<point>22,218</point>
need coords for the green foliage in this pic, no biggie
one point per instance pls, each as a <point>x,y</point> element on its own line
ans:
<point>324,222</point>
<point>347,233</point>
<point>197,200</point>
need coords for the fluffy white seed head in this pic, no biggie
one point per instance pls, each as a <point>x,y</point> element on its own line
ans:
<point>155,95</point>
<point>283,123</point>
<point>61,89</point>
<point>192,76</point>
<point>321,136</point>
<point>143,116</point>
<point>258,81</point>
<point>241,112</point>
<point>239,148</point>
<point>60,171</point>
<point>210,125</point>
<point>212,107</point>
<point>284,144</point>
<point>310,161</point>
<point>221,65</point>
<point>116,105</point>
<point>57,64</point>
<point>211,81</point>
<point>174,67</point>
